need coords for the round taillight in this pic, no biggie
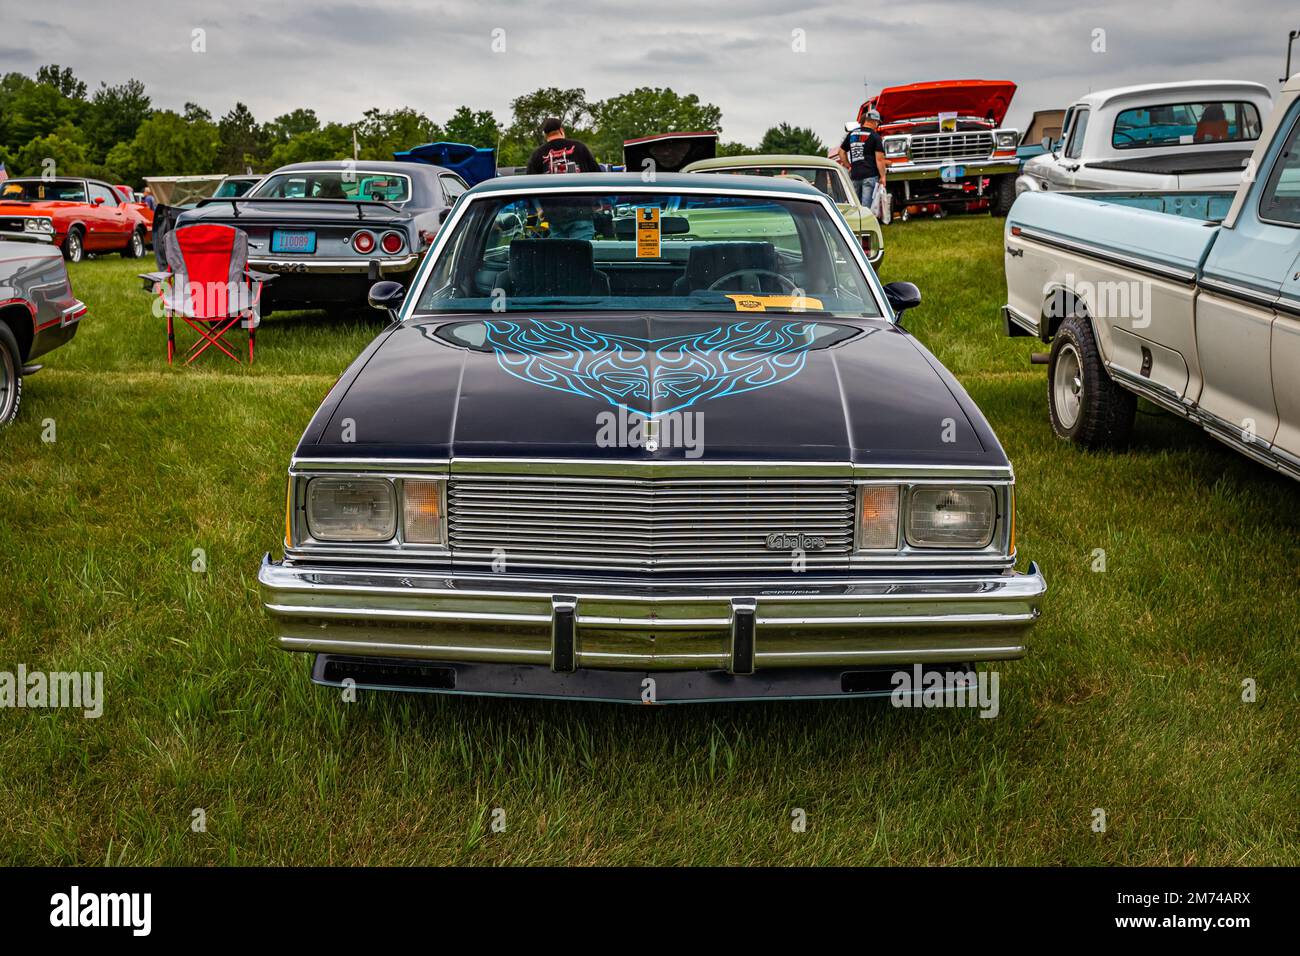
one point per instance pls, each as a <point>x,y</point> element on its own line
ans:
<point>363,242</point>
<point>392,242</point>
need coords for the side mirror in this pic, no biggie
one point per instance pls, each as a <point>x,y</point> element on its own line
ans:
<point>97,201</point>
<point>902,296</point>
<point>387,295</point>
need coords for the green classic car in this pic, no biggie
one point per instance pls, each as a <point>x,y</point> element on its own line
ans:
<point>826,174</point>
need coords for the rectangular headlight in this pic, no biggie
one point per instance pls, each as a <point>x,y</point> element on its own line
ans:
<point>951,517</point>
<point>877,518</point>
<point>423,520</point>
<point>1007,138</point>
<point>351,509</point>
<point>895,146</point>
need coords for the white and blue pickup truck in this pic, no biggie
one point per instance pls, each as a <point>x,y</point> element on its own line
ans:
<point>1190,300</point>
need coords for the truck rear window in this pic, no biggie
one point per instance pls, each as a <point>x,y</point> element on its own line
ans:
<point>1185,124</point>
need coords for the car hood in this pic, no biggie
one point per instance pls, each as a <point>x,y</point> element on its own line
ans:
<point>720,388</point>
<point>982,98</point>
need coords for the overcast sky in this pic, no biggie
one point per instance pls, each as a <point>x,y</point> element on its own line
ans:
<point>342,58</point>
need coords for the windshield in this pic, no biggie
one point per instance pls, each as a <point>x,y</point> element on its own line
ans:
<point>336,184</point>
<point>1185,124</point>
<point>664,251</point>
<point>37,190</point>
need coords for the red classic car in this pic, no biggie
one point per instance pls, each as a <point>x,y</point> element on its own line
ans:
<point>88,215</point>
<point>129,198</point>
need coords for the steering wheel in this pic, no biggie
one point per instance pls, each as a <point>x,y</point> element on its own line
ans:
<point>784,280</point>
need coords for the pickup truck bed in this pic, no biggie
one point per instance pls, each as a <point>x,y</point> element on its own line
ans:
<point>1165,234</point>
<point>1180,163</point>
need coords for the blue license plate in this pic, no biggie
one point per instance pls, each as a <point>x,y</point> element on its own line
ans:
<point>285,241</point>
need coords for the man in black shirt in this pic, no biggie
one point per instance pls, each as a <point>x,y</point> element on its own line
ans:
<point>559,154</point>
<point>864,151</point>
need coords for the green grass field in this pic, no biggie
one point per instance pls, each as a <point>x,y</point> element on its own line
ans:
<point>1130,699</point>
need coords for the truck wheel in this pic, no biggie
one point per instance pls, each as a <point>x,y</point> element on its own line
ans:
<point>11,376</point>
<point>73,250</point>
<point>135,246</point>
<point>1002,195</point>
<point>1085,405</point>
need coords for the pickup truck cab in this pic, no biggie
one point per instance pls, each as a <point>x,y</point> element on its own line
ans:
<point>1188,299</point>
<point>1170,136</point>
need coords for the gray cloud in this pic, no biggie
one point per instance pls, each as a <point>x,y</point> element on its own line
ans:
<point>340,59</point>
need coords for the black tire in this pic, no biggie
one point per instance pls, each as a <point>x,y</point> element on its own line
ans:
<point>135,247</point>
<point>11,376</point>
<point>1002,193</point>
<point>73,250</point>
<point>1085,405</point>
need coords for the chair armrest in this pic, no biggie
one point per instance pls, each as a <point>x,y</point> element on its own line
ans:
<point>262,277</point>
<point>151,279</point>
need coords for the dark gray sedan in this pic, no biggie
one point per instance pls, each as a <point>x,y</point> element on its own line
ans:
<point>38,312</point>
<point>329,229</point>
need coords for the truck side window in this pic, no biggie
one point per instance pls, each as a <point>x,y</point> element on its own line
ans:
<point>1280,201</point>
<point>1075,149</point>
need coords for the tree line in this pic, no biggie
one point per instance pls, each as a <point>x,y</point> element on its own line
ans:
<point>53,122</point>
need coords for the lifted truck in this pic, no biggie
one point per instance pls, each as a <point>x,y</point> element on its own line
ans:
<point>945,145</point>
<point>1190,300</point>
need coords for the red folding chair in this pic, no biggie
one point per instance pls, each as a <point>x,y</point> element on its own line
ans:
<point>208,284</point>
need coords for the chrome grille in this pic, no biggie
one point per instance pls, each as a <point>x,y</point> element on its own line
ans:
<point>667,525</point>
<point>939,147</point>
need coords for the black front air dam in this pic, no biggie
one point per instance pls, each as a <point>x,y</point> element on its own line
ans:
<point>623,687</point>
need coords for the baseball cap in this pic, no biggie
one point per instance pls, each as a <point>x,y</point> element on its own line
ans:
<point>551,125</point>
<point>871,115</point>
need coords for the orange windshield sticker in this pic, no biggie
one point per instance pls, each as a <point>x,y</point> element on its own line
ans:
<point>647,232</point>
<point>760,303</point>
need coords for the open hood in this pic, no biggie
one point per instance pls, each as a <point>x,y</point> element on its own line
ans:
<point>474,164</point>
<point>671,152</point>
<point>986,99</point>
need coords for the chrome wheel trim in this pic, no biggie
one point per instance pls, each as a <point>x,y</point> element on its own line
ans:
<point>75,249</point>
<point>137,244</point>
<point>1067,385</point>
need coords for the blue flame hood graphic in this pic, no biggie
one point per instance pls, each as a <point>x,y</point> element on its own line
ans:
<point>652,377</point>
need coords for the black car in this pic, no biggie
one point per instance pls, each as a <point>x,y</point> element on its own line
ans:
<point>648,442</point>
<point>330,229</point>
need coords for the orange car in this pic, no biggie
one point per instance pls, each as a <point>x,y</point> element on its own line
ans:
<point>88,215</point>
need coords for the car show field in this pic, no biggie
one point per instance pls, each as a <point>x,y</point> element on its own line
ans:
<point>1159,686</point>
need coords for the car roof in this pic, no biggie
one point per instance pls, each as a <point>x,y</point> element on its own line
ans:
<point>1101,98</point>
<point>633,182</point>
<point>763,159</point>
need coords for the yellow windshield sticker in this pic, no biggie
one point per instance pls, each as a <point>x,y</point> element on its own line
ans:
<point>647,232</point>
<point>759,303</point>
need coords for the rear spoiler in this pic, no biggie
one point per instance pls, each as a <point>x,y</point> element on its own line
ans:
<point>236,201</point>
<point>474,164</point>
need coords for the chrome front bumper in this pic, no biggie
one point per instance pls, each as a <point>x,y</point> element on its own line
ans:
<point>970,167</point>
<point>734,626</point>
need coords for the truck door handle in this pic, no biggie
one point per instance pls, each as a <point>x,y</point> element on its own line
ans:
<point>1072,169</point>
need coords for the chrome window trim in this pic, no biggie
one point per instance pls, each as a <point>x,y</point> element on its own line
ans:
<point>467,200</point>
<point>410,187</point>
<point>1264,182</point>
